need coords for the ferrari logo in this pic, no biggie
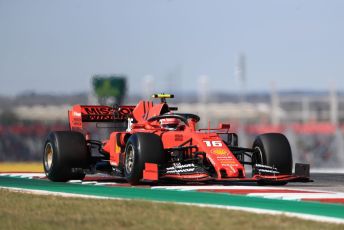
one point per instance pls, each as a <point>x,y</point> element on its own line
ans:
<point>219,151</point>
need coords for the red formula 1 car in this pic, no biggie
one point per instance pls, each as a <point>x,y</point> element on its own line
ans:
<point>159,144</point>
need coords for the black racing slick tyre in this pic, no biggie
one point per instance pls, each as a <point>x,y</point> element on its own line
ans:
<point>142,148</point>
<point>65,155</point>
<point>273,149</point>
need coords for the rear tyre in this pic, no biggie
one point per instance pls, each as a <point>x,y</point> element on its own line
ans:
<point>65,156</point>
<point>142,148</point>
<point>273,149</point>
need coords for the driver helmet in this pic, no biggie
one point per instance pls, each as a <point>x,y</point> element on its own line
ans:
<point>169,123</point>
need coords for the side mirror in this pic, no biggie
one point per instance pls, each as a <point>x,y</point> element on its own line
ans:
<point>224,126</point>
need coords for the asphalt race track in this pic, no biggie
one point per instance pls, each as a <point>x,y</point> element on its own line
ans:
<point>333,182</point>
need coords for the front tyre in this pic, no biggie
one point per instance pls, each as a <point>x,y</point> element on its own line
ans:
<point>273,149</point>
<point>142,148</point>
<point>65,156</point>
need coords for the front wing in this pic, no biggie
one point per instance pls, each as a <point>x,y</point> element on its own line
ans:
<point>152,173</point>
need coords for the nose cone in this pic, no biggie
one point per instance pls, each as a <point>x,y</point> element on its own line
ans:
<point>225,163</point>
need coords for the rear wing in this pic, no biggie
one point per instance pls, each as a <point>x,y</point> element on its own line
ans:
<point>97,113</point>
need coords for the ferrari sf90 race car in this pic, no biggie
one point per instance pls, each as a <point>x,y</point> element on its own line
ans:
<point>159,144</point>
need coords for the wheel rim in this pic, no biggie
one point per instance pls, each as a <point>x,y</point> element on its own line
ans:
<point>259,156</point>
<point>48,156</point>
<point>257,159</point>
<point>129,159</point>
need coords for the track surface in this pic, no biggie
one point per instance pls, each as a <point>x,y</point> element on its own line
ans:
<point>333,182</point>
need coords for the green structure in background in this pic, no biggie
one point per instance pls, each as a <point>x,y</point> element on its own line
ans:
<point>109,88</point>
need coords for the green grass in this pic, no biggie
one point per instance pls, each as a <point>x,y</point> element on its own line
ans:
<point>28,211</point>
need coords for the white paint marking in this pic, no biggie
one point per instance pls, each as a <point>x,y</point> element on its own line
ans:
<point>297,196</point>
<point>89,182</point>
<point>106,183</point>
<point>24,175</point>
<point>75,181</point>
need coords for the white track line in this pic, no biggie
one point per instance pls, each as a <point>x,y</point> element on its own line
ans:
<point>297,196</point>
<point>24,175</point>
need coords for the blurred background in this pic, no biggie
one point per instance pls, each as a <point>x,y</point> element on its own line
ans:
<point>263,66</point>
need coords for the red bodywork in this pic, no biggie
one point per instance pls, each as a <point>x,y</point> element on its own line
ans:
<point>217,153</point>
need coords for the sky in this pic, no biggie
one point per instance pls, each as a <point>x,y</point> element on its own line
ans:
<point>57,46</point>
